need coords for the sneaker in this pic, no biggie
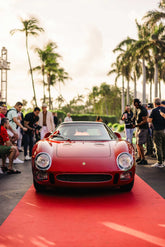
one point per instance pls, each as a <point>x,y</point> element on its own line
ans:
<point>142,162</point>
<point>27,157</point>
<point>18,161</point>
<point>1,172</point>
<point>138,159</point>
<point>158,165</point>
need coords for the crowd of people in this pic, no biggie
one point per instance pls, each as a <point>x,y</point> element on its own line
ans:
<point>149,121</point>
<point>17,131</point>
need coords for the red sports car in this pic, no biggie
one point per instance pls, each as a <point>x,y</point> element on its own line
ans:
<point>83,154</point>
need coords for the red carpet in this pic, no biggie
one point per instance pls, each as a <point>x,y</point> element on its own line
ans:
<point>87,219</point>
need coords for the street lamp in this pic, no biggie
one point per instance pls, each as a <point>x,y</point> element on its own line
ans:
<point>4,66</point>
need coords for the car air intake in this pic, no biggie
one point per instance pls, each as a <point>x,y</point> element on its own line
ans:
<point>116,178</point>
<point>51,178</point>
<point>84,178</point>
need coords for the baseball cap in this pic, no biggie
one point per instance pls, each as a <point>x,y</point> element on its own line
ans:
<point>44,105</point>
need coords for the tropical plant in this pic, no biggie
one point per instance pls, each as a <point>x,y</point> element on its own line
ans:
<point>105,93</point>
<point>153,17</point>
<point>30,28</point>
<point>93,97</point>
<point>50,68</point>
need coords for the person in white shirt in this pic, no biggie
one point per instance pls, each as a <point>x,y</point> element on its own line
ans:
<point>46,121</point>
<point>68,118</point>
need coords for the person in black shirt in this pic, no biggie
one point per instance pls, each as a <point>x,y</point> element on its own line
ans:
<point>141,115</point>
<point>158,122</point>
<point>128,118</point>
<point>55,118</point>
<point>29,122</point>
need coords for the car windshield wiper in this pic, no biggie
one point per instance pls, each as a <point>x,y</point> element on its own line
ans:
<point>63,137</point>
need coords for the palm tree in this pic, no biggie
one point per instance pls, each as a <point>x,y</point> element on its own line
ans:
<point>155,45</point>
<point>54,72</point>
<point>150,76</point>
<point>105,93</point>
<point>153,17</point>
<point>93,96</point>
<point>125,65</point>
<point>116,69</point>
<point>41,68</point>
<point>136,50</point>
<point>60,101</point>
<point>30,27</point>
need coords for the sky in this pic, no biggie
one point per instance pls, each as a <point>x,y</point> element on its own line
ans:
<point>86,32</point>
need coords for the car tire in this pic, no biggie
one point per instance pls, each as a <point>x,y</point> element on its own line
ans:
<point>38,187</point>
<point>127,187</point>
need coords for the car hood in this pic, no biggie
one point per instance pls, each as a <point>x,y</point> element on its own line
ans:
<point>81,149</point>
<point>79,156</point>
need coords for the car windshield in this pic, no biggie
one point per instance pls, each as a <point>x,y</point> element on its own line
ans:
<point>84,132</point>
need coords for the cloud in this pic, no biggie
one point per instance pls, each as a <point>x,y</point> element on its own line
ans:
<point>93,53</point>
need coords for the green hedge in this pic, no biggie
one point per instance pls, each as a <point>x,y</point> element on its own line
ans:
<point>92,117</point>
<point>60,114</point>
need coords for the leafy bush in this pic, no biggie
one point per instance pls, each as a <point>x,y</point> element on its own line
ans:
<point>120,128</point>
<point>115,126</point>
<point>60,114</point>
<point>109,125</point>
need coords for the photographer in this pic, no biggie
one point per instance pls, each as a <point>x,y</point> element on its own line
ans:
<point>129,120</point>
<point>29,122</point>
<point>141,130</point>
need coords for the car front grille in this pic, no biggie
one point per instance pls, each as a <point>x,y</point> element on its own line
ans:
<point>84,178</point>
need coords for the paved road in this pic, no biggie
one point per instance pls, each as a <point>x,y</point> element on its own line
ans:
<point>13,187</point>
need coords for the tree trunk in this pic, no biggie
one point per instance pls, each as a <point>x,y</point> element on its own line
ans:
<point>160,95</point>
<point>43,81</point>
<point>31,71</point>
<point>106,107</point>
<point>135,86</point>
<point>150,91</point>
<point>128,92</point>
<point>156,78</point>
<point>48,78</point>
<point>144,82</point>
<point>122,96</point>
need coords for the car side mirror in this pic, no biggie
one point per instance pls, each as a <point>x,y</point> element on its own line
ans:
<point>47,135</point>
<point>118,135</point>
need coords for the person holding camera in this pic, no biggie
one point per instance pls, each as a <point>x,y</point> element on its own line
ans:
<point>30,120</point>
<point>129,120</point>
<point>141,116</point>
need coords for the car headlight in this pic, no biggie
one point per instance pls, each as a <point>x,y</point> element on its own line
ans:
<point>43,161</point>
<point>125,161</point>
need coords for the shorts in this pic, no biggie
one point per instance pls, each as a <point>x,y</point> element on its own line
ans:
<point>141,136</point>
<point>4,149</point>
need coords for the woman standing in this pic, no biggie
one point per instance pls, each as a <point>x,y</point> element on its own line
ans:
<point>128,118</point>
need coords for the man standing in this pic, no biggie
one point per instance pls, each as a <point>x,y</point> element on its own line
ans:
<point>68,118</point>
<point>141,131</point>
<point>29,121</point>
<point>129,120</point>
<point>159,132</point>
<point>55,118</point>
<point>46,121</point>
<point>12,115</point>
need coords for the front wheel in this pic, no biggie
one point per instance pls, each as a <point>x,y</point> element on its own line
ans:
<point>127,187</point>
<point>38,187</point>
